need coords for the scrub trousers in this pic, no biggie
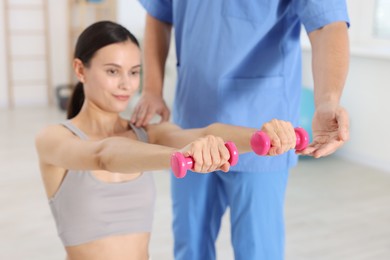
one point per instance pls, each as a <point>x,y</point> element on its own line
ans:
<point>256,202</point>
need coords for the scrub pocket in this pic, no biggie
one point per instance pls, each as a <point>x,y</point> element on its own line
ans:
<point>252,101</point>
<point>254,11</point>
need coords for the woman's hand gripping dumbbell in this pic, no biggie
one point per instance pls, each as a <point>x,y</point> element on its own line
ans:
<point>180,163</point>
<point>261,142</point>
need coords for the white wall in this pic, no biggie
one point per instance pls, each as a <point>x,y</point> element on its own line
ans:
<point>59,42</point>
<point>59,49</point>
<point>132,15</point>
<point>3,79</point>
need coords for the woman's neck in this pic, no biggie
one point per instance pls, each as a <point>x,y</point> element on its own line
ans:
<point>96,122</point>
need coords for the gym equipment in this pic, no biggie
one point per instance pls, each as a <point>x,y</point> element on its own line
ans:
<point>63,93</point>
<point>181,164</point>
<point>261,143</point>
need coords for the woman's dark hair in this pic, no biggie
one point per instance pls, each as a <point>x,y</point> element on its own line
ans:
<point>93,38</point>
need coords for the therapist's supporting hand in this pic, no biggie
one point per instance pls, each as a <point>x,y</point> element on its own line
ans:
<point>330,130</point>
<point>147,106</point>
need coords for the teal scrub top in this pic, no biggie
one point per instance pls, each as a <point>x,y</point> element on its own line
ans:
<point>239,62</point>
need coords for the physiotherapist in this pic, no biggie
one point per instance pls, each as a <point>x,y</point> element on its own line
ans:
<point>239,62</point>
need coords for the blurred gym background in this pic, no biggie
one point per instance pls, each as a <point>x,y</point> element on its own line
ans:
<point>337,207</point>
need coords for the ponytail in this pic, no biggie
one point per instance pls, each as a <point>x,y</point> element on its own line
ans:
<point>76,101</point>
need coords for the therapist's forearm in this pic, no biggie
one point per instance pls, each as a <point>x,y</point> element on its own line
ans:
<point>330,61</point>
<point>156,47</point>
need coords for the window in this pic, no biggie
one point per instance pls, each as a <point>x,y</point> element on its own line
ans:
<point>370,27</point>
<point>369,33</point>
<point>382,19</point>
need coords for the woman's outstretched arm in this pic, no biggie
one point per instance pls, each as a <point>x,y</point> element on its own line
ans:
<point>58,147</point>
<point>281,133</point>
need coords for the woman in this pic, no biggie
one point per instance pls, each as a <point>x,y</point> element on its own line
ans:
<point>95,166</point>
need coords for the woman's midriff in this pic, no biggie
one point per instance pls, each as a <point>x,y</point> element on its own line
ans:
<point>117,247</point>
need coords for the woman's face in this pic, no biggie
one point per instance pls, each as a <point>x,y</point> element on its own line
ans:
<point>113,76</point>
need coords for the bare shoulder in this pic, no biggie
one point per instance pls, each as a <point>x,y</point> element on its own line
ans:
<point>50,135</point>
<point>51,131</point>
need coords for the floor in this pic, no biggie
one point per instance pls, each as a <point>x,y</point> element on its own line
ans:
<point>335,210</point>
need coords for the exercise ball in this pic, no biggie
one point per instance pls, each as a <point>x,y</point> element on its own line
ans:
<point>307,110</point>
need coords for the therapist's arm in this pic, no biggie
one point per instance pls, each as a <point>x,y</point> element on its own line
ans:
<point>330,61</point>
<point>156,46</point>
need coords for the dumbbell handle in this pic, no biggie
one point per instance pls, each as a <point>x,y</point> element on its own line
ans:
<point>261,143</point>
<point>181,164</point>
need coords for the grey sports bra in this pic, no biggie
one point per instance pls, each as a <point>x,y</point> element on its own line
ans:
<point>86,208</point>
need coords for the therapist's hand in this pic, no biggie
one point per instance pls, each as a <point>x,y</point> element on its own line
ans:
<point>330,130</point>
<point>147,106</point>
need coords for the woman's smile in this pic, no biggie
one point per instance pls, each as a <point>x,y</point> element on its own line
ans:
<point>122,97</point>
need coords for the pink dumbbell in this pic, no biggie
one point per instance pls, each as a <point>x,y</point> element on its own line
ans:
<point>261,143</point>
<point>181,164</point>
